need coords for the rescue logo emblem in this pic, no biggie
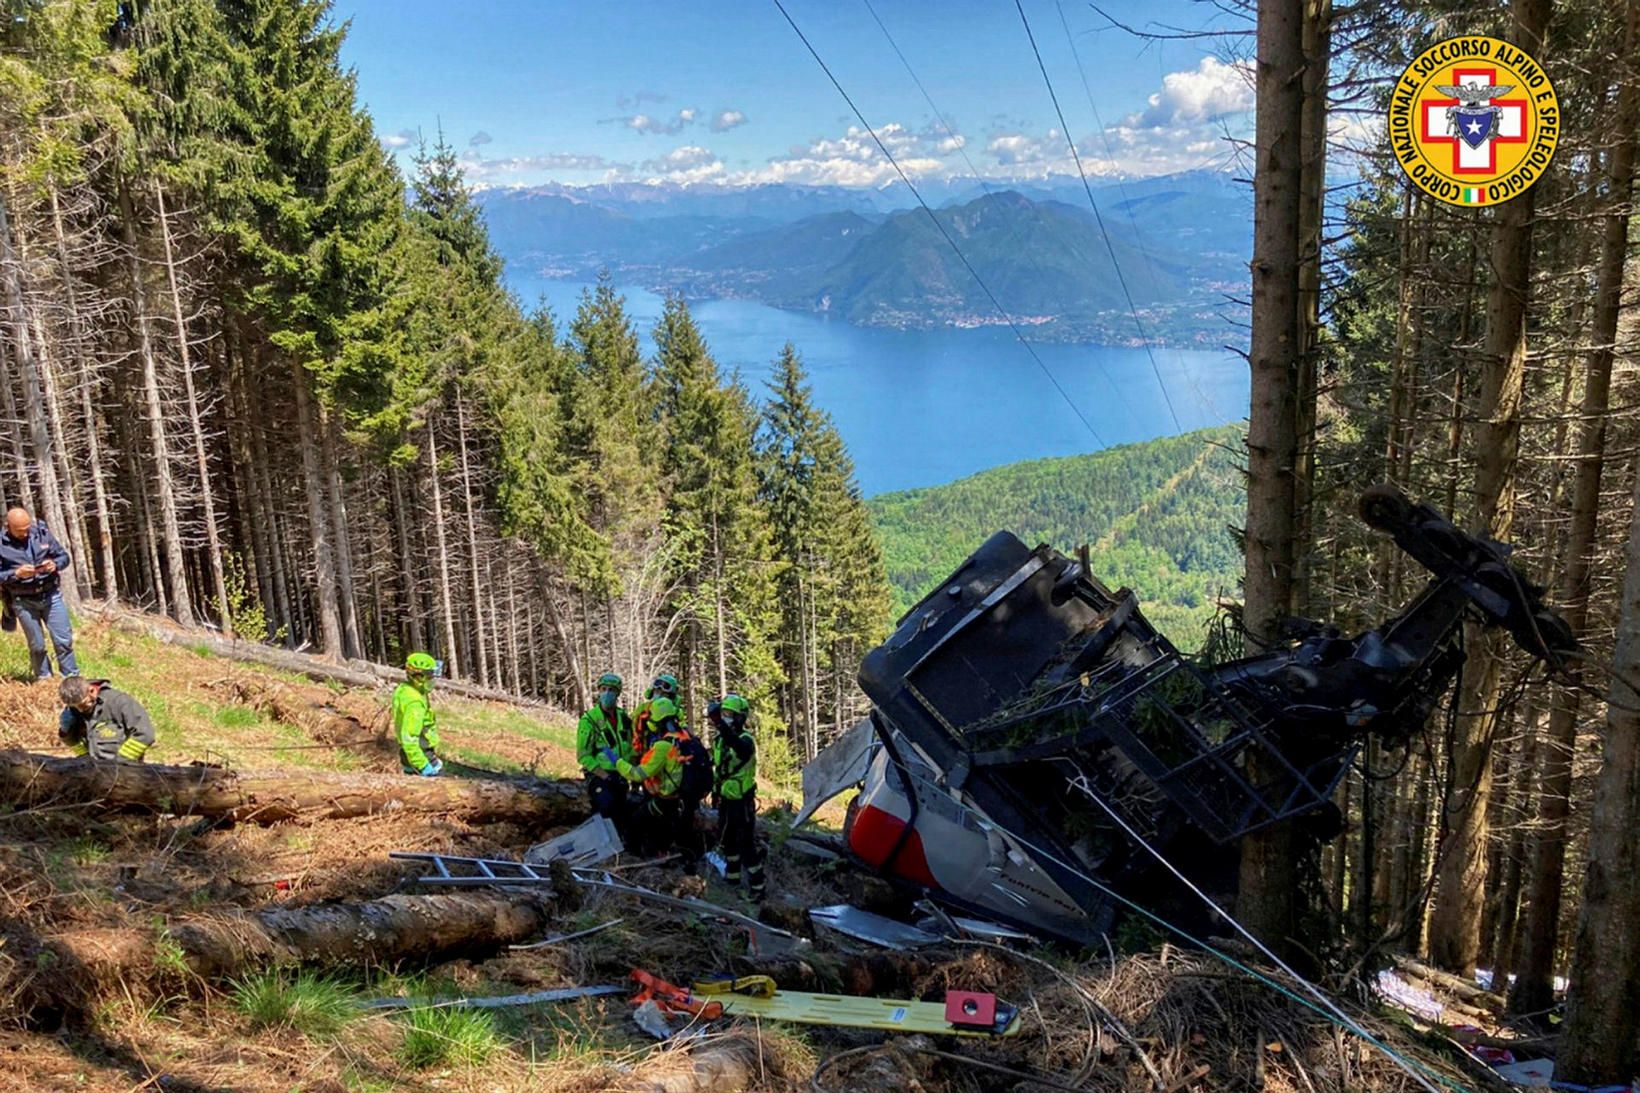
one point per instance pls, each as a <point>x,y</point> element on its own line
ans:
<point>1474,121</point>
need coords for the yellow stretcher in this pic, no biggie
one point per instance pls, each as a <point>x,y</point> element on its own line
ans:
<point>757,996</point>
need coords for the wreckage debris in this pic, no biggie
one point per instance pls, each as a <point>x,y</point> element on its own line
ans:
<point>535,998</point>
<point>963,1013</point>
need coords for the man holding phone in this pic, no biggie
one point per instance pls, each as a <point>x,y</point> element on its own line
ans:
<point>31,561</point>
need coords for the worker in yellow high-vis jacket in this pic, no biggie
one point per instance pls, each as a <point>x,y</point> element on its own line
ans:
<point>102,722</point>
<point>414,725</point>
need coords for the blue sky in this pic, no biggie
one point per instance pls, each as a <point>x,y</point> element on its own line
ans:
<point>718,92</point>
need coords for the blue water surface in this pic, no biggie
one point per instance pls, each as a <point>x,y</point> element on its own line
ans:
<point>923,407</point>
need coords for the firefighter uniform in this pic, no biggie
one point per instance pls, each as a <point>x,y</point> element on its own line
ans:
<point>602,739</point>
<point>414,724</point>
<point>734,766</point>
<point>666,817</point>
<point>117,727</point>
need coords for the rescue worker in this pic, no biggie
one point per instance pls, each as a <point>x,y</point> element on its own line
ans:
<point>414,725</point>
<point>676,774</point>
<point>606,726</point>
<point>665,686</point>
<point>734,791</point>
<point>102,722</point>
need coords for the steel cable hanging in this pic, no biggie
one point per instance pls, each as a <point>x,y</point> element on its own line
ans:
<point>963,152</point>
<point>1099,218</point>
<point>1012,325</point>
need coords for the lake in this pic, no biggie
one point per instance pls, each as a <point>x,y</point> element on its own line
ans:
<point>923,407</point>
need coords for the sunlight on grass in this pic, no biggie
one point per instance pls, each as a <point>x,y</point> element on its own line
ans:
<point>457,1037</point>
<point>311,1004</point>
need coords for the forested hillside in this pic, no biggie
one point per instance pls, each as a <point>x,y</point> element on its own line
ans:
<point>253,378</point>
<point>1157,515</point>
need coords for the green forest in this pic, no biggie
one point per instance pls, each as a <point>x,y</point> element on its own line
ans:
<point>263,382</point>
<point>1159,517</point>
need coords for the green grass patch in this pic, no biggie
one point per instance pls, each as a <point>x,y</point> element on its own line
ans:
<point>486,760</point>
<point>312,1004</point>
<point>202,651</point>
<point>235,717</point>
<point>448,1036</point>
<point>86,850</point>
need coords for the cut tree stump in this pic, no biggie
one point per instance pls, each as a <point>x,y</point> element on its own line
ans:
<point>28,780</point>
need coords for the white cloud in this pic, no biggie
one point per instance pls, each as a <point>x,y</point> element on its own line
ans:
<point>725,120</point>
<point>657,126</point>
<point>1213,90</point>
<point>402,139</point>
<point>687,163</point>
<point>485,171</point>
<point>1020,149</point>
<point>954,143</point>
<point>852,159</point>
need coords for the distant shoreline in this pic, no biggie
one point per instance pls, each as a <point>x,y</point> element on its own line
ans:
<point>1042,329</point>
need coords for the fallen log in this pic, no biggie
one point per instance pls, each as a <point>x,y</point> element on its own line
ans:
<point>1469,992</point>
<point>354,673</point>
<point>322,721</point>
<point>66,972</point>
<point>28,780</point>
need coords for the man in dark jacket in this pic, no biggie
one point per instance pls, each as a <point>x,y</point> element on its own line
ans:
<point>102,722</point>
<point>31,564</point>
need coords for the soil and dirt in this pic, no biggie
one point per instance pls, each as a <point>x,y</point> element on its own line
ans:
<point>123,935</point>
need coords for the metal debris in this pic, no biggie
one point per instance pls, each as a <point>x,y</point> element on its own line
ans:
<point>593,842</point>
<point>875,929</point>
<point>567,994</point>
<point>561,938</point>
<point>841,764</point>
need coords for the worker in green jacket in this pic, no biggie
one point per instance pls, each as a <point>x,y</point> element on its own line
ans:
<point>643,733</point>
<point>605,728</point>
<point>676,775</point>
<point>102,722</point>
<point>414,725</point>
<point>734,791</point>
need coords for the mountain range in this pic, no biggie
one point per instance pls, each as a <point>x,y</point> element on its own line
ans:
<point>1180,242</point>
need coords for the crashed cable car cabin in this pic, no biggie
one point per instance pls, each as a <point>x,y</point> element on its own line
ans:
<point>1022,697</point>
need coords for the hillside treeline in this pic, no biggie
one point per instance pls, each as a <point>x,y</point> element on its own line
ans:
<point>1483,359</point>
<point>1157,517</point>
<point>256,379</point>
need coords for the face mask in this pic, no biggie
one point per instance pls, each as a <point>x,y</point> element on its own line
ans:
<point>607,700</point>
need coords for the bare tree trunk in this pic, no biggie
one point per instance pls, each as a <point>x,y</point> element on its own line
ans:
<point>1454,937</point>
<point>29,369</point>
<point>180,601</point>
<point>1533,990</point>
<point>406,562</point>
<point>286,589</point>
<point>1312,201</point>
<point>443,547</point>
<point>481,643</point>
<point>336,507</point>
<point>1603,1022</point>
<point>213,538</point>
<point>323,557</point>
<point>1269,878</point>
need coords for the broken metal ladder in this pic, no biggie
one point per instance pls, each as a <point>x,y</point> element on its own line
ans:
<point>457,872</point>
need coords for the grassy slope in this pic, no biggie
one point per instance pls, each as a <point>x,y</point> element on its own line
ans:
<point>1157,515</point>
<point>64,870</point>
<point>194,720</point>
